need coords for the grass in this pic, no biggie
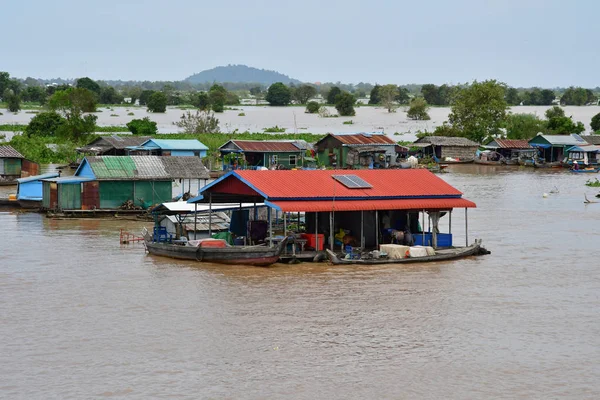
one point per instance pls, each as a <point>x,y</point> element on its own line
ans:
<point>274,129</point>
<point>241,114</point>
<point>130,113</point>
<point>350,122</point>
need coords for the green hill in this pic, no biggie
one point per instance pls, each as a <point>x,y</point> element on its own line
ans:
<point>240,73</point>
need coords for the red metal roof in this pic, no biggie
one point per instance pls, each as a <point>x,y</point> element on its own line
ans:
<point>363,138</point>
<point>513,144</point>
<point>369,205</point>
<point>266,146</point>
<point>315,184</point>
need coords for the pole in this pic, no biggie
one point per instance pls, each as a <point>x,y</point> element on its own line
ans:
<point>210,214</point>
<point>450,222</point>
<point>285,228</point>
<point>362,229</point>
<point>423,228</point>
<point>269,216</point>
<point>331,230</point>
<point>466,228</point>
<point>316,231</point>
<point>195,219</point>
<point>377,229</point>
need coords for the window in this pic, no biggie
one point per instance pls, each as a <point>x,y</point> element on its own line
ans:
<point>274,159</point>
<point>293,160</point>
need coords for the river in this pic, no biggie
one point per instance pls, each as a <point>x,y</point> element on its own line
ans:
<point>83,317</point>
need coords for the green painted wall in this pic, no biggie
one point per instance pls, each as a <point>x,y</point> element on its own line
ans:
<point>283,159</point>
<point>114,193</point>
<point>46,194</point>
<point>69,196</point>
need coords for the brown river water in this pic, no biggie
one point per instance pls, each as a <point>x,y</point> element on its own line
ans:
<point>83,317</point>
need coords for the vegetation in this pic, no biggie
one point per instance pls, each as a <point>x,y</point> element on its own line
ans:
<point>217,95</point>
<point>479,110</point>
<point>344,104</point>
<point>199,122</point>
<point>538,97</point>
<point>274,129</point>
<point>388,95</point>
<point>71,104</point>
<point>512,97</point>
<point>279,95</point>
<point>577,96</point>
<point>157,102</point>
<point>89,84</point>
<point>418,109</point>
<point>304,93</point>
<point>332,95</point>
<point>240,73</point>
<point>13,101</point>
<point>595,124</point>
<point>374,97</point>
<point>438,95</point>
<point>44,124</point>
<point>312,107</point>
<point>523,126</point>
<point>558,123</point>
<point>142,127</point>
<point>201,101</point>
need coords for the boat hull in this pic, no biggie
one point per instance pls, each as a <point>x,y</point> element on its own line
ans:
<point>442,255</point>
<point>480,162</point>
<point>585,171</point>
<point>255,255</point>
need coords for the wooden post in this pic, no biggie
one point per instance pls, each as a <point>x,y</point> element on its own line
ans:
<point>284,228</point>
<point>270,217</point>
<point>450,222</point>
<point>376,229</point>
<point>316,231</point>
<point>210,215</point>
<point>195,219</point>
<point>423,228</point>
<point>331,230</point>
<point>466,228</point>
<point>362,229</point>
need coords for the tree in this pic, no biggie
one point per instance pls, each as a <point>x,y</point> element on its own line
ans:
<point>89,84</point>
<point>430,93</point>
<point>108,95</point>
<point>595,124</point>
<point>34,93</point>
<point>232,99</point>
<point>71,104</point>
<point>479,110</point>
<point>403,96</point>
<point>218,97</point>
<point>4,81</point>
<point>344,104</point>
<point>144,127</point>
<point>332,95</point>
<point>558,123</point>
<point>374,97</point>
<point>312,107</point>
<point>278,95</point>
<point>44,124</point>
<point>13,101</point>
<point>512,97</point>
<point>255,91</point>
<point>578,96</point>
<point>201,101</point>
<point>157,103</point>
<point>547,97</point>
<point>200,122</point>
<point>523,126</point>
<point>388,95</point>
<point>304,93</point>
<point>145,96</point>
<point>418,109</point>
<point>444,95</point>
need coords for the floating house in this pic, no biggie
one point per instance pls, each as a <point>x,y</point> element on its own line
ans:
<point>240,154</point>
<point>591,139</point>
<point>447,148</point>
<point>14,166</point>
<point>584,154</point>
<point>112,145</point>
<point>109,182</point>
<point>29,190</point>
<point>357,150</point>
<point>553,148</point>
<point>509,148</point>
<point>367,205</point>
<point>170,147</point>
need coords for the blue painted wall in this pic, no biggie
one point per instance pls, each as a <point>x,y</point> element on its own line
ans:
<point>85,170</point>
<point>30,191</point>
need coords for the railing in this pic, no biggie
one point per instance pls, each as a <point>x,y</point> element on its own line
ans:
<point>127,237</point>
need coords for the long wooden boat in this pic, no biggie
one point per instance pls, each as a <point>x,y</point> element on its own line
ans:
<point>237,255</point>
<point>586,170</point>
<point>457,161</point>
<point>482,162</point>
<point>451,253</point>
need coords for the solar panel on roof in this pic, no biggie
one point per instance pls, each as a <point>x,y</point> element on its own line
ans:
<point>352,181</point>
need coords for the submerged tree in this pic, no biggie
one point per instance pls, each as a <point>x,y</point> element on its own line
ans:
<point>279,95</point>
<point>71,104</point>
<point>344,104</point>
<point>13,101</point>
<point>374,97</point>
<point>388,95</point>
<point>595,123</point>
<point>199,122</point>
<point>157,103</point>
<point>143,127</point>
<point>418,109</point>
<point>304,93</point>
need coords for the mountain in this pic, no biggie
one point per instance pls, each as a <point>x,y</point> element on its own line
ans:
<point>240,73</point>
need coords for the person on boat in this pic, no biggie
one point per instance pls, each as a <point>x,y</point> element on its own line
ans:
<point>575,166</point>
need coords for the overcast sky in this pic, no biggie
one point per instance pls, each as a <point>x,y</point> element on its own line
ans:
<point>523,43</point>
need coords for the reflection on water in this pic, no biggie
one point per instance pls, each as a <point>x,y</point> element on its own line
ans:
<point>84,317</point>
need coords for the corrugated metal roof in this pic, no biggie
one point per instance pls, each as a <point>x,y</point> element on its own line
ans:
<point>370,205</point>
<point>302,184</point>
<point>512,144</point>
<point>355,139</point>
<point>266,146</point>
<point>147,168</point>
<point>9,152</point>
<point>563,140</point>
<point>38,177</point>
<point>591,139</point>
<point>587,148</point>
<point>69,179</point>
<point>447,141</point>
<point>175,144</point>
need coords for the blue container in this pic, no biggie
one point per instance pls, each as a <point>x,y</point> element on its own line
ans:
<point>443,239</point>
<point>238,241</point>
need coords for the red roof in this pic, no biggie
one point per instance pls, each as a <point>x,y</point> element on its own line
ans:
<point>363,138</point>
<point>512,144</point>
<point>369,205</point>
<point>315,184</point>
<point>266,146</point>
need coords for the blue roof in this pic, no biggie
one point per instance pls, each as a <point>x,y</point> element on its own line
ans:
<point>174,144</point>
<point>38,177</point>
<point>70,179</point>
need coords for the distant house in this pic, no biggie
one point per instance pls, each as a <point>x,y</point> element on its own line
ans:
<point>106,182</point>
<point>591,139</point>
<point>586,154</point>
<point>509,148</point>
<point>170,147</point>
<point>442,147</point>
<point>29,190</point>
<point>112,145</point>
<point>357,150</point>
<point>264,153</point>
<point>14,166</point>
<point>554,147</point>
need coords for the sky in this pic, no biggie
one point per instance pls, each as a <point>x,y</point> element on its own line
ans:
<point>547,43</point>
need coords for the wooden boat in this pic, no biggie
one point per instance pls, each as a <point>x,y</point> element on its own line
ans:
<point>457,161</point>
<point>482,162</point>
<point>451,253</point>
<point>586,170</point>
<point>237,255</point>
